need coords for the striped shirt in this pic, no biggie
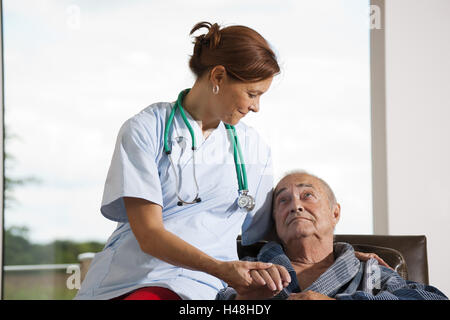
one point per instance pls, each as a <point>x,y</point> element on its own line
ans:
<point>346,279</point>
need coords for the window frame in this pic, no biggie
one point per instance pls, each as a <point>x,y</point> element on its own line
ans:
<point>2,145</point>
<point>378,130</point>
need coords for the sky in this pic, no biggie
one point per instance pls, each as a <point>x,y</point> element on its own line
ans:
<point>76,70</point>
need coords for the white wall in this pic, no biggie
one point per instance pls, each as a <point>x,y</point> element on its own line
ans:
<point>1,147</point>
<point>417,45</point>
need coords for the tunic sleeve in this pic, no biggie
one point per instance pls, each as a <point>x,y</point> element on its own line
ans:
<point>133,171</point>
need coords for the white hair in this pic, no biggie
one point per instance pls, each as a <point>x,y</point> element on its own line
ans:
<point>330,194</point>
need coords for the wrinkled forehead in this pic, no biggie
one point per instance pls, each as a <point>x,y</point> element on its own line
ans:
<point>298,179</point>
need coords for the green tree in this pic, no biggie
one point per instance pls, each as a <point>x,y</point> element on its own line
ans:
<point>19,250</point>
<point>11,183</point>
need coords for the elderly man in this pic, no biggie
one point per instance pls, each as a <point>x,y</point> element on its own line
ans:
<point>307,265</point>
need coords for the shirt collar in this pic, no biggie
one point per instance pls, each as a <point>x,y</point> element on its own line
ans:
<point>342,271</point>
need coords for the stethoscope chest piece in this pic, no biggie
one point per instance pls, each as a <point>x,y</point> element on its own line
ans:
<point>246,201</point>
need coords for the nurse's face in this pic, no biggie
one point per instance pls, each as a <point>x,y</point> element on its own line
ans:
<point>235,98</point>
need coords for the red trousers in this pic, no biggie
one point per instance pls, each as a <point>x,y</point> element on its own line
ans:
<point>150,293</point>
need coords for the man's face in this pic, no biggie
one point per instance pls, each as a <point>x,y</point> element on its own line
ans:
<point>302,209</point>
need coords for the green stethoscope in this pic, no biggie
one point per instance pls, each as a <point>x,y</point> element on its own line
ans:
<point>245,201</point>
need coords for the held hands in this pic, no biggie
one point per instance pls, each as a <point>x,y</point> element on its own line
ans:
<point>268,282</point>
<point>256,280</point>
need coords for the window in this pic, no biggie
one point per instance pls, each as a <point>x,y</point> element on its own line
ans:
<point>74,71</point>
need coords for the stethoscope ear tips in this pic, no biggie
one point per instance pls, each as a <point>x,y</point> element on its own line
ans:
<point>197,200</point>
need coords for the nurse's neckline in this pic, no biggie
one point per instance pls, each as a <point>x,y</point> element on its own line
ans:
<point>195,112</point>
<point>205,133</point>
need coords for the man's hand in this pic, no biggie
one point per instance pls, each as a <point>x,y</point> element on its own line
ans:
<point>275,278</point>
<point>266,283</point>
<point>237,274</point>
<point>309,295</point>
<point>257,292</point>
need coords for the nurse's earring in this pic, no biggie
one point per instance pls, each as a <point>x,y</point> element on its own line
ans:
<point>216,89</point>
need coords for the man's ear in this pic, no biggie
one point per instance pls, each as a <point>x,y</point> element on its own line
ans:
<point>336,213</point>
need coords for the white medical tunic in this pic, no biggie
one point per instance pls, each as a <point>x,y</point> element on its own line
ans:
<point>141,169</point>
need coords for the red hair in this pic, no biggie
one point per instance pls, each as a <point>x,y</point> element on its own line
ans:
<point>243,52</point>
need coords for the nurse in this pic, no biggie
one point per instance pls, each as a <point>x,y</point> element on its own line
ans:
<point>187,177</point>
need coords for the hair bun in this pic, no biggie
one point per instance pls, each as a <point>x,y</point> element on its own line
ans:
<point>243,52</point>
<point>211,39</point>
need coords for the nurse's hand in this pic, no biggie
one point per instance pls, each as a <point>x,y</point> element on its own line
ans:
<point>275,278</point>
<point>267,283</point>
<point>362,256</point>
<point>237,274</point>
